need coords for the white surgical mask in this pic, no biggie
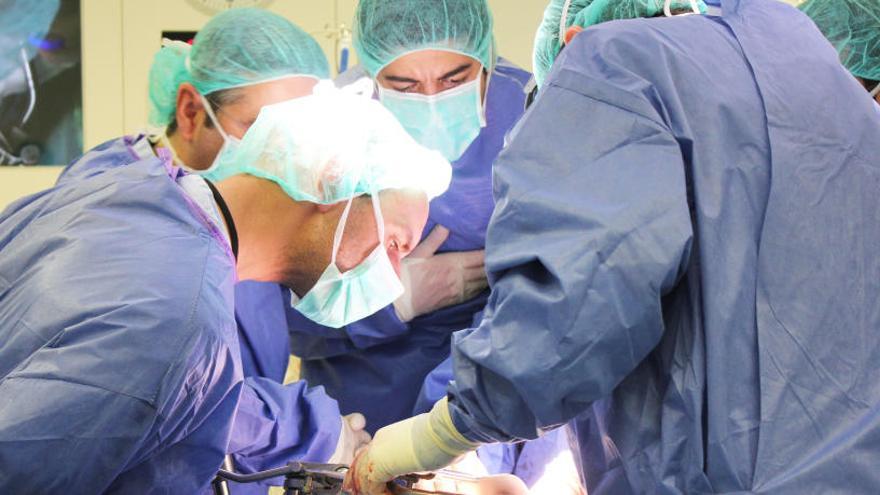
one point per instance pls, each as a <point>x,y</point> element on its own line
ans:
<point>338,299</point>
<point>448,121</point>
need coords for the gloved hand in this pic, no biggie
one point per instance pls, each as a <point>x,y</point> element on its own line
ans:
<point>433,281</point>
<point>351,438</point>
<point>426,442</point>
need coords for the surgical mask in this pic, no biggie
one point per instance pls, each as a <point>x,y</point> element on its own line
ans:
<point>447,122</point>
<point>338,299</point>
<point>230,143</point>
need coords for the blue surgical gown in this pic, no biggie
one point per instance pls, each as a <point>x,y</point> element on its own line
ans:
<point>262,328</point>
<point>684,259</point>
<point>265,353</point>
<point>360,364</point>
<point>121,371</point>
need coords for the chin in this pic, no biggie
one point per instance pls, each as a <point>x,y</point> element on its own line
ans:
<point>298,288</point>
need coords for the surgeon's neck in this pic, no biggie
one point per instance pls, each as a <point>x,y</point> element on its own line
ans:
<point>182,150</point>
<point>266,220</point>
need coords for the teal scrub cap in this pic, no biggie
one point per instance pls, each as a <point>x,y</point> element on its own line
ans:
<point>385,30</point>
<point>562,14</point>
<point>853,27</point>
<point>238,47</point>
<point>332,145</point>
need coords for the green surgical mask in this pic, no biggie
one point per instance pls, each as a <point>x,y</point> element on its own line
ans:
<point>447,122</point>
<point>338,299</point>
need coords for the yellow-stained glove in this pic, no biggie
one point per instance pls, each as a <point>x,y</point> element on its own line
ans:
<point>426,442</point>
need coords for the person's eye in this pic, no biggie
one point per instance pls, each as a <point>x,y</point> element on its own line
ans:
<point>393,244</point>
<point>409,88</point>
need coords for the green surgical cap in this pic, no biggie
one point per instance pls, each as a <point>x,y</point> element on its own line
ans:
<point>558,17</point>
<point>237,48</point>
<point>23,23</point>
<point>332,145</point>
<point>562,14</point>
<point>387,29</point>
<point>853,27</point>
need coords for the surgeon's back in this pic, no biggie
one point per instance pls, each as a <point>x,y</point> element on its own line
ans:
<point>701,199</point>
<point>116,368</point>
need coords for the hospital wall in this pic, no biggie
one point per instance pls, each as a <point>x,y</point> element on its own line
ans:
<point>119,38</point>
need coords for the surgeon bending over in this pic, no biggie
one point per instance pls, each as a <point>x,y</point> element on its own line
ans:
<point>120,371</point>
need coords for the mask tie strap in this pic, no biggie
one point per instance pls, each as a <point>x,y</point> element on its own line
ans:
<point>563,20</point>
<point>213,117</point>
<point>667,7</point>
<point>377,212</point>
<point>340,228</point>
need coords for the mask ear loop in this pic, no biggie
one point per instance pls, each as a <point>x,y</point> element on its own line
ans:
<point>207,104</point>
<point>380,221</point>
<point>213,117</point>
<point>340,228</point>
<point>481,98</point>
<point>875,91</point>
<point>667,7</point>
<point>562,21</point>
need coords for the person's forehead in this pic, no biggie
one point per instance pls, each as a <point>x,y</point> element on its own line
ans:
<point>416,206</point>
<point>407,203</point>
<point>427,63</point>
<point>278,90</point>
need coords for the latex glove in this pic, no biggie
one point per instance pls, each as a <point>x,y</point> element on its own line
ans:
<point>502,484</point>
<point>351,439</point>
<point>432,281</point>
<point>426,442</point>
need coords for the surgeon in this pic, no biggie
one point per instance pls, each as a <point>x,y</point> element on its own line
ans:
<point>853,27</point>
<point>202,100</point>
<point>120,370</point>
<point>682,260</point>
<point>434,66</point>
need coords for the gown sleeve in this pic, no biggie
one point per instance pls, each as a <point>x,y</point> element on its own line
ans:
<point>591,227</point>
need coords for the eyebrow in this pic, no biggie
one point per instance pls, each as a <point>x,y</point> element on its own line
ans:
<point>401,79</point>
<point>458,70</point>
<point>454,72</point>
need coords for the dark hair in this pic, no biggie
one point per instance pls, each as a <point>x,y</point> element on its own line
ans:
<point>216,99</point>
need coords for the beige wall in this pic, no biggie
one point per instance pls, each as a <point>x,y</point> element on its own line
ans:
<point>20,181</point>
<point>515,24</point>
